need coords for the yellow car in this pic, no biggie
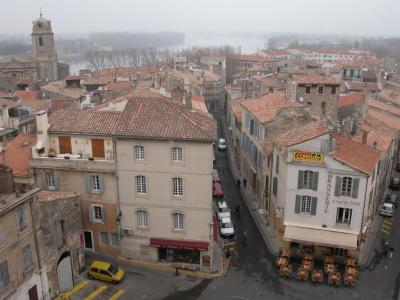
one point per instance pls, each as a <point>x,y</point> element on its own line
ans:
<point>106,272</point>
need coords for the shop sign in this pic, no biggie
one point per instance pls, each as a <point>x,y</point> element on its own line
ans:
<point>346,202</point>
<point>313,157</point>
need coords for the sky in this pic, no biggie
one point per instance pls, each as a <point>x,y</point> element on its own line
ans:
<point>351,17</point>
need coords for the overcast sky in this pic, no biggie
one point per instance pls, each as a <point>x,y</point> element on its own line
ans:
<point>359,17</point>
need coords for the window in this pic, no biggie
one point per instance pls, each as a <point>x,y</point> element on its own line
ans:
<point>177,187</point>
<point>277,165</point>
<point>308,89</point>
<point>275,186</point>
<point>346,186</point>
<point>51,181</point>
<point>323,108</point>
<point>320,90</point>
<point>60,234</point>
<point>21,219</point>
<point>105,273</point>
<point>177,154</point>
<point>141,187</point>
<point>114,239</point>
<point>305,205</point>
<point>4,275</point>
<point>104,238</point>
<point>139,152</point>
<point>339,252</point>
<point>27,261</point>
<point>333,90</point>
<point>142,218</point>
<point>40,41</point>
<point>343,215</point>
<point>96,214</point>
<point>306,179</point>
<point>178,219</point>
<point>95,182</point>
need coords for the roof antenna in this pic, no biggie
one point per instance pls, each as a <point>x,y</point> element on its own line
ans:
<point>41,16</point>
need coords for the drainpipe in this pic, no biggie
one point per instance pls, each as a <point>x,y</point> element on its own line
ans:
<point>117,189</point>
<point>362,217</point>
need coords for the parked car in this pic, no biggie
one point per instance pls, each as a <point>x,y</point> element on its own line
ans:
<point>387,210</point>
<point>105,271</point>
<point>221,145</point>
<point>217,190</point>
<point>392,199</point>
<point>226,228</point>
<point>395,183</point>
<point>215,176</point>
<point>223,210</point>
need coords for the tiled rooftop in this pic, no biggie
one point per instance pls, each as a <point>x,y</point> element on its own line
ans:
<point>354,154</point>
<point>379,106</point>
<point>48,196</point>
<point>353,98</point>
<point>385,118</point>
<point>315,79</point>
<point>265,108</point>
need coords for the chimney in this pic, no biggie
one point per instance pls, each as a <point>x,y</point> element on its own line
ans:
<point>330,141</point>
<point>188,101</point>
<point>42,125</point>
<point>364,137</point>
<point>6,116</point>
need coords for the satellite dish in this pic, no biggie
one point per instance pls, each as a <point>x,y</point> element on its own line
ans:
<point>301,99</point>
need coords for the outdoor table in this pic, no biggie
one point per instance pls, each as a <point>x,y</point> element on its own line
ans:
<point>302,274</point>
<point>349,280</point>
<point>307,267</point>
<point>352,271</point>
<point>334,278</point>
<point>330,268</point>
<point>351,262</point>
<point>285,270</point>
<point>308,257</point>
<point>286,254</point>
<point>329,259</point>
<point>317,276</point>
<point>281,261</point>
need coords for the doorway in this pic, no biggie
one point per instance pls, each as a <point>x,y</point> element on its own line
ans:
<point>88,235</point>
<point>33,293</point>
<point>64,272</point>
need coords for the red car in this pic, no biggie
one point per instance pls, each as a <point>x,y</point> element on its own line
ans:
<point>217,190</point>
<point>215,177</point>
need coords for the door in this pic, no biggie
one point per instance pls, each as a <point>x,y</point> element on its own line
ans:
<point>98,148</point>
<point>32,293</point>
<point>105,276</point>
<point>64,273</point>
<point>65,144</point>
<point>88,240</point>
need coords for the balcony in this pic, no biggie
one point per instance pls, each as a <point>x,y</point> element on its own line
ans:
<point>75,164</point>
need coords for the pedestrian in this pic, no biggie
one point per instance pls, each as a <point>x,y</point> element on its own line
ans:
<point>386,248</point>
<point>244,182</point>
<point>238,182</point>
<point>228,254</point>
<point>237,211</point>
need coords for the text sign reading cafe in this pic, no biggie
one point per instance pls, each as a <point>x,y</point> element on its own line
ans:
<point>312,157</point>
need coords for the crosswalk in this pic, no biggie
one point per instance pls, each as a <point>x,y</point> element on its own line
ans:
<point>387,225</point>
<point>89,290</point>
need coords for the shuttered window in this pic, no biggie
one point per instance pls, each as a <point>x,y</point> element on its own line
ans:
<point>95,184</point>
<point>275,186</point>
<point>98,148</point>
<point>27,261</point>
<point>346,186</point>
<point>4,275</point>
<point>65,144</point>
<point>22,224</point>
<point>96,213</point>
<point>306,204</point>
<point>308,180</point>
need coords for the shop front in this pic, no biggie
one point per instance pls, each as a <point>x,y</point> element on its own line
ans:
<point>192,255</point>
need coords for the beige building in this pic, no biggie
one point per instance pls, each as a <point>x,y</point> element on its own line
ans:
<point>21,276</point>
<point>164,164</point>
<point>75,153</point>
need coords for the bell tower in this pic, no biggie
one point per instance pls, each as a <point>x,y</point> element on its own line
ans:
<point>43,49</point>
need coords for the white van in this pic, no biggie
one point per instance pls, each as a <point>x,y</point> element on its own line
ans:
<point>387,210</point>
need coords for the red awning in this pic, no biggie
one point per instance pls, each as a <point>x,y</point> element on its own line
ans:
<point>190,245</point>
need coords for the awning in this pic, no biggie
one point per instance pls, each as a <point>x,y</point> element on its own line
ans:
<point>189,245</point>
<point>320,237</point>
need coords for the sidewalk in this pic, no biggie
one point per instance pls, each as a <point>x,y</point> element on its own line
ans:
<point>268,234</point>
<point>367,252</point>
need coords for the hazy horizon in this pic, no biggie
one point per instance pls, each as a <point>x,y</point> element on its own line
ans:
<point>354,17</point>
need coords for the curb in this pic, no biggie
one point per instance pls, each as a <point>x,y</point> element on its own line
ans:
<point>169,269</point>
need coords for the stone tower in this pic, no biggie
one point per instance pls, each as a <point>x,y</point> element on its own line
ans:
<point>43,49</point>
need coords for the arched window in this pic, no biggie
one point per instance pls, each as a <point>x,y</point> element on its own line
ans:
<point>142,218</point>
<point>177,154</point>
<point>40,41</point>
<point>178,220</point>
<point>177,187</point>
<point>141,186</point>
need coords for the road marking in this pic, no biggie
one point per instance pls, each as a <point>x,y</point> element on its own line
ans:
<point>96,292</point>
<point>72,291</point>
<point>385,231</point>
<point>116,295</point>
<point>387,226</point>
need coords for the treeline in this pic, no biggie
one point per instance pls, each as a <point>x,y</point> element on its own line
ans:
<point>13,47</point>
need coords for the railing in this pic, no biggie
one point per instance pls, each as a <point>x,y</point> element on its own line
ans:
<point>76,164</point>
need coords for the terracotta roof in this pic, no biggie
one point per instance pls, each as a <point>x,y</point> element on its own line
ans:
<point>158,117</point>
<point>268,80</point>
<point>3,93</point>
<point>356,155</point>
<point>96,81</point>
<point>23,81</point>
<point>297,135</point>
<point>74,93</point>
<point>255,58</point>
<point>27,95</point>
<point>74,77</point>
<point>36,105</point>
<point>17,153</point>
<point>10,104</point>
<point>48,196</point>
<point>60,104</point>
<point>265,108</point>
<point>119,86</point>
<point>361,86</point>
<point>379,106</point>
<point>379,134</point>
<point>315,79</point>
<point>353,98</point>
<point>385,118</point>
<point>91,122</point>
<point>236,107</point>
